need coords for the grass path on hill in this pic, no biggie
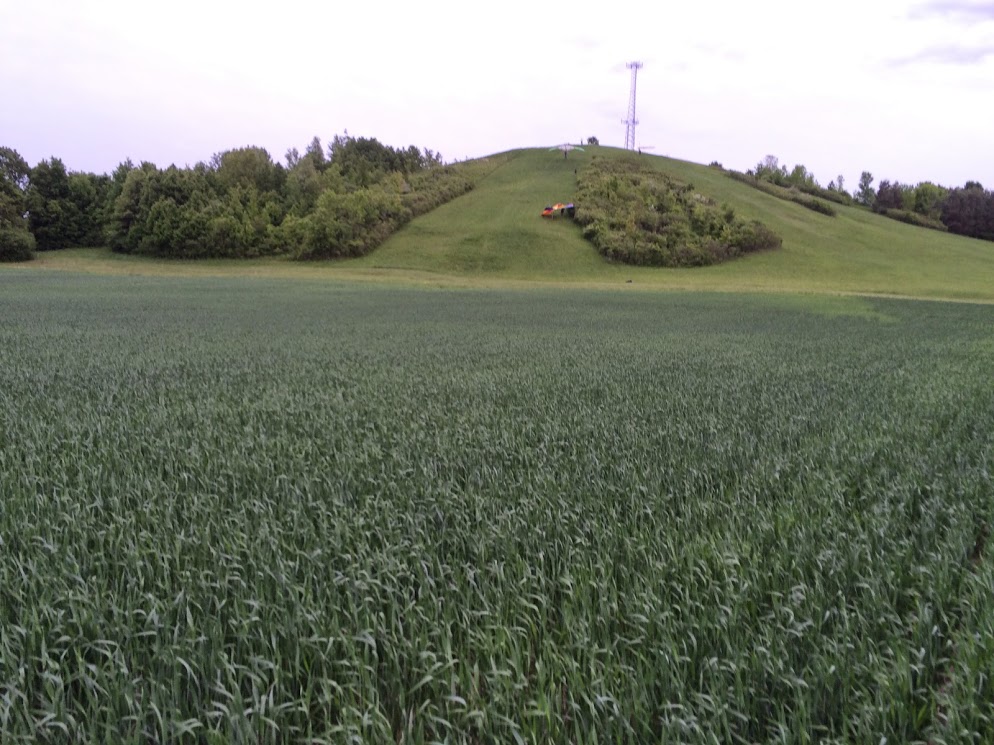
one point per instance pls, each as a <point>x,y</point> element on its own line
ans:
<point>496,230</point>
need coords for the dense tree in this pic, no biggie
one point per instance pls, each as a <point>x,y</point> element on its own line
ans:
<point>890,196</point>
<point>16,242</point>
<point>66,209</point>
<point>350,224</point>
<point>593,141</point>
<point>304,185</point>
<point>864,192</point>
<point>801,176</point>
<point>50,214</point>
<point>240,203</point>
<point>14,171</point>
<point>769,169</point>
<point>364,161</point>
<point>970,211</point>
<point>928,199</point>
<point>82,209</point>
<point>14,174</point>
<point>249,167</point>
<point>315,151</point>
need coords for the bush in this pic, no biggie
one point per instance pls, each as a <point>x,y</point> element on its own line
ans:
<point>353,224</point>
<point>754,236</point>
<point>816,205</point>
<point>913,218</point>
<point>639,216</point>
<point>16,245</point>
<point>839,197</point>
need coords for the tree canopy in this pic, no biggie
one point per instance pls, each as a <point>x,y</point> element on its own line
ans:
<point>336,201</point>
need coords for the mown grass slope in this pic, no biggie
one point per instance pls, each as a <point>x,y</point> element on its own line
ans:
<point>496,232</point>
<point>494,236</point>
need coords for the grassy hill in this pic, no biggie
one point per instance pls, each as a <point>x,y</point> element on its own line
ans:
<point>495,231</point>
<point>494,235</point>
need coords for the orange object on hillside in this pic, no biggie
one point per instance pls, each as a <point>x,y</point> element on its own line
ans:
<point>562,209</point>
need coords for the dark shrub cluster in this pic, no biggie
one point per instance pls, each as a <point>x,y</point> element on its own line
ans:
<point>832,195</point>
<point>969,211</point>
<point>16,244</point>
<point>912,218</point>
<point>639,216</point>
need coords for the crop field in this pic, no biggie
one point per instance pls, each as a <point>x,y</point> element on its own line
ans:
<point>274,511</point>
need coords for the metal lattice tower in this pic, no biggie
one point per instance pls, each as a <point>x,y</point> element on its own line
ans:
<point>631,121</point>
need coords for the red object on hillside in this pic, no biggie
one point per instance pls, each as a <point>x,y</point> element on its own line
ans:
<point>562,209</point>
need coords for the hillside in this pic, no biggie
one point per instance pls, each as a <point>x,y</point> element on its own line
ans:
<point>494,236</point>
<point>496,232</point>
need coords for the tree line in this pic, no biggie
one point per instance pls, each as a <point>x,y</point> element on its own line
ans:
<point>339,200</point>
<point>966,210</point>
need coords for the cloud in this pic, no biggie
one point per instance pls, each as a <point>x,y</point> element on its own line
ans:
<point>961,10</point>
<point>947,55</point>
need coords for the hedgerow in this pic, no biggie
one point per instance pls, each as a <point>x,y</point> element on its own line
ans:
<point>791,194</point>
<point>913,218</point>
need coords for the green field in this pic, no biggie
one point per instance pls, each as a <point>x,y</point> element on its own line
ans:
<point>241,509</point>
<point>494,236</point>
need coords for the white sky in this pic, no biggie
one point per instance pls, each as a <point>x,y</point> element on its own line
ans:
<point>902,89</point>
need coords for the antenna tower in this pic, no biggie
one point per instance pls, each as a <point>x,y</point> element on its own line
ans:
<point>631,121</point>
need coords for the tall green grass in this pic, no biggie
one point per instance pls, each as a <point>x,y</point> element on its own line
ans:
<point>244,510</point>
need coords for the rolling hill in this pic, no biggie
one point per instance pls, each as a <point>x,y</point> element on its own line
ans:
<point>494,235</point>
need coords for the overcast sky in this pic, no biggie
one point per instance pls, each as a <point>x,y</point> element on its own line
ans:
<point>902,89</point>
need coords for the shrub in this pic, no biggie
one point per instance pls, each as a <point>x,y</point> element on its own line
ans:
<point>754,236</point>
<point>832,195</point>
<point>791,194</point>
<point>639,216</point>
<point>913,218</point>
<point>16,245</point>
<point>353,224</point>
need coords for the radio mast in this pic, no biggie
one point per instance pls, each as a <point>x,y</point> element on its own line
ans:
<point>631,121</point>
